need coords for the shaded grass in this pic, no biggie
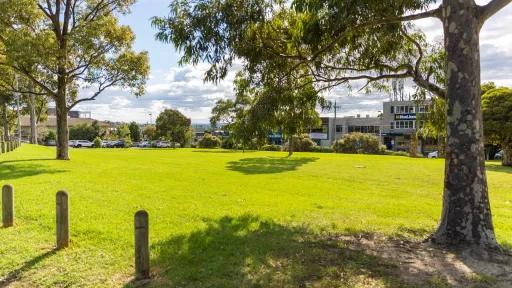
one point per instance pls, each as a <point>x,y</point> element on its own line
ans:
<point>238,216</point>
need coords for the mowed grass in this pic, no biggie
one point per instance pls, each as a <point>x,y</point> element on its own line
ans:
<point>221,218</point>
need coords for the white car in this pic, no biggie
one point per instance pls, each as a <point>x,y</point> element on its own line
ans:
<point>163,144</point>
<point>144,144</point>
<point>434,154</point>
<point>81,143</point>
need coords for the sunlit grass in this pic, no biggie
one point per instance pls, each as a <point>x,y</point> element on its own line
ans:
<point>218,218</point>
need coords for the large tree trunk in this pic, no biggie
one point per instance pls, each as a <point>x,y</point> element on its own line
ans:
<point>33,119</point>
<point>466,217</point>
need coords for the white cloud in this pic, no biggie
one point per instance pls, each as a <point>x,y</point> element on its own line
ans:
<point>183,88</point>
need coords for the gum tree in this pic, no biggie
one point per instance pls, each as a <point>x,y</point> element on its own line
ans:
<point>497,112</point>
<point>369,40</point>
<point>69,46</point>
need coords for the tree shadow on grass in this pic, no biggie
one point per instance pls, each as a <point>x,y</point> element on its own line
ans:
<point>268,165</point>
<point>247,251</point>
<point>223,151</point>
<point>498,168</point>
<point>16,275</point>
<point>10,172</point>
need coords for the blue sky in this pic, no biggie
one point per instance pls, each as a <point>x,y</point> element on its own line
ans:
<point>182,88</point>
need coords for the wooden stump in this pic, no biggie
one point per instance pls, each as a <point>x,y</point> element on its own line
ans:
<point>62,219</point>
<point>141,245</point>
<point>8,206</point>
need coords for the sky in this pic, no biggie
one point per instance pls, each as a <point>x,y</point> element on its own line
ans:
<point>183,88</point>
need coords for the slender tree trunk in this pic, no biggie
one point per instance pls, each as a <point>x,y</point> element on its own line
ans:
<point>290,146</point>
<point>33,119</point>
<point>466,216</point>
<point>507,155</point>
<point>62,124</point>
<point>5,122</point>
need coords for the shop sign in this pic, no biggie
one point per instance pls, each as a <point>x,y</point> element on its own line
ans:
<point>410,116</point>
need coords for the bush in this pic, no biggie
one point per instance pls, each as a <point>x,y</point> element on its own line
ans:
<point>128,142</point>
<point>301,143</point>
<point>319,149</point>
<point>209,141</point>
<point>228,143</point>
<point>358,143</point>
<point>50,136</point>
<point>97,142</point>
<point>270,148</point>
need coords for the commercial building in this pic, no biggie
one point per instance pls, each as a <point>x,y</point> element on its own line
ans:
<point>395,125</point>
<point>74,118</point>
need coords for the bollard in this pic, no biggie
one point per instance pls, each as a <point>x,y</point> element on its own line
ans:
<point>141,245</point>
<point>3,147</point>
<point>62,219</point>
<point>8,206</point>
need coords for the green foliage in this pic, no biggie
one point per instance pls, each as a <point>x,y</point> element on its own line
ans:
<point>301,143</point>
<point>209,141</point>
<point>271,148</point>
<point>123,131</point>
<point>149,132</point>
<point>50,135</point>
<point>135,133</point>
<point>358,143</point>
<point>128,142</point>
<point>172,125</point>
<point>97,142</point>
<point>497,114</point>
<point>85,131</point>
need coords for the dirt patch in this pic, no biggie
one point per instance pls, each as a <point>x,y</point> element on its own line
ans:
<point>423,263</point>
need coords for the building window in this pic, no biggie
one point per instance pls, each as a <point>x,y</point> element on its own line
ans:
<point>339,128</point>
<point>403,125</point>
<point>392,110</point>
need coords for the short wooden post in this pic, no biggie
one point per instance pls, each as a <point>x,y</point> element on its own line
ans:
<point>8,206</point>
<point>3,147</point>
<point>141,245</point>
<point>62,217</point>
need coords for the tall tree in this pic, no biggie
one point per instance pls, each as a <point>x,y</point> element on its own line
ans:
<point>135,133</point>
<point>173,126</point>
<point>342,41</point>
<point>497,111</point>
<point>65,46</point>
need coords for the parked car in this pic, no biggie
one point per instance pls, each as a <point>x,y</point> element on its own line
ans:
<point>163,144</point>
<point>144,144</point>
<point>434,154</point>
<point>51,143</point>
<point>81,143</point>
<point>499,155</point>
<point>118,144</point>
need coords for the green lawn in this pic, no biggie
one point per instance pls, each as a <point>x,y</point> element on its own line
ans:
<point>221,218</point>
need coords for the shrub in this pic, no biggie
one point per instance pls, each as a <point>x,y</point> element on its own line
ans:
<point>50,136</point>
<point>397,153</point>
<point>228,143</point>
<point>301,143</point>
<point>97,142</point>
<point>128,142</point>
<point>358,143</point>
<point>319,149</point>
<point>209,141</point>
<point>270,148</point>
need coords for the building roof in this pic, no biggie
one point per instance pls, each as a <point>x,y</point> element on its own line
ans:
<point>51,122</point>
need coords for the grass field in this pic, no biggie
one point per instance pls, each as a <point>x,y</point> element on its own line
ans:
<point>221,218</point>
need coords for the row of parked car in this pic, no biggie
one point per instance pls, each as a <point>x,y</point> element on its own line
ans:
<point>121,144</point>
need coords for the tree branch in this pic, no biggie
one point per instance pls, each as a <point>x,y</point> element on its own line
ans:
<point>493,7</point>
